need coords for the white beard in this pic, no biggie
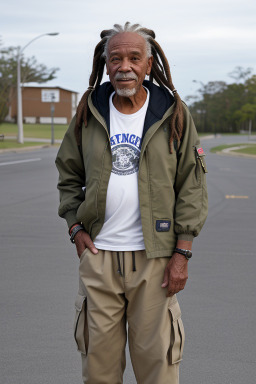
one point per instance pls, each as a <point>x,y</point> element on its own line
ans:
<point>126,92</point>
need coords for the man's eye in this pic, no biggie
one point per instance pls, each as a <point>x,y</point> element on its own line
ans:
<point>135,58</point>
<point>115,59</point>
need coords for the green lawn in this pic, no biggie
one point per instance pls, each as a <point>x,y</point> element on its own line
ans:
<point>250,149</point>
<point>42,131</point>
<point>237,134</point>
<point>9,144</point>
<point>219,148</point>
<point>225,134</point>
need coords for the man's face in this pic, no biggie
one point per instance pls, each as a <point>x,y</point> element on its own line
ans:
<point>127,63</point>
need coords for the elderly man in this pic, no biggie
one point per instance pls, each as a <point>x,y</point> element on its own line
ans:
<point>133,193</point>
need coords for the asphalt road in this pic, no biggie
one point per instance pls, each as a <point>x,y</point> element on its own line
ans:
<point>39,269</point>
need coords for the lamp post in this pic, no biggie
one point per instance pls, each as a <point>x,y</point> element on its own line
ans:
<point>19,95</point>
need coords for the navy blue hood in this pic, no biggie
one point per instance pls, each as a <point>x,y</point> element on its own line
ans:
<point>160,100</point>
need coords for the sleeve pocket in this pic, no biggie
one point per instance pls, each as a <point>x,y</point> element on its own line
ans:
<point>81,333</point>
<point>177,338</point>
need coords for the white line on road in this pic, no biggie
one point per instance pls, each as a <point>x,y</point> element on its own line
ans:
<point>19,161</point>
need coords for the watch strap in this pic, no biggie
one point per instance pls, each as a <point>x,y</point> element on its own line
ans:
<point>185,252</point>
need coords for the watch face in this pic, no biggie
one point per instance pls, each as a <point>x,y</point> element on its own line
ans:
<point>188,254</point>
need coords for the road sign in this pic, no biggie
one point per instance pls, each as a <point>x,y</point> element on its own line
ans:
<point>50,95</point>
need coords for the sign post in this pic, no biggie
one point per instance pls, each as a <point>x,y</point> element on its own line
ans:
<point>52,118</point>
<point>51,96</point>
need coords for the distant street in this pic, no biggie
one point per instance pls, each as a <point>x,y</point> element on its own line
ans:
<point>39,276</point>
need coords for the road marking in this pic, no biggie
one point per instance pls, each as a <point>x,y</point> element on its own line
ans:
<point>19,161</point>
<point>236,197</point>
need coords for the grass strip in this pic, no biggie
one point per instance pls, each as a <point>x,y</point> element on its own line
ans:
<point>249,149</point>
<point>38,131</point>
<point>219,148</point>
<point>11,144</point>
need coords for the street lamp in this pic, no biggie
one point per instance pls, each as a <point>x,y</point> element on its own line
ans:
<point>19,95</point>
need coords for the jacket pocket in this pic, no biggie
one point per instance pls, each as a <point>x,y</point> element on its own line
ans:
<point>177,338</point>
<point>81,332</point>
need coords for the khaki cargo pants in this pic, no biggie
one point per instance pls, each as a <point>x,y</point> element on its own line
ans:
<point>120,287</point>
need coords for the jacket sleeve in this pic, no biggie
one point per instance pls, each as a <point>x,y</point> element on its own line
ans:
<point>191,206</point>
<point>70,165</point>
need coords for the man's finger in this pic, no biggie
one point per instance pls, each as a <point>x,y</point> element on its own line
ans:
<point>172,292</point>
<point>83,240</point>
<point>90,244</point>
<point>79,253</point>
<point>174,288</point>
<point>166,279</point>
<point>93,249</point>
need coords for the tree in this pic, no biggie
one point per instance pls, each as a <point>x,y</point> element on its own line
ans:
<point>225,107</point>
<point>247,113</point>
<point>208,109</point>
<point>31,71</point>
<point>240,73</point>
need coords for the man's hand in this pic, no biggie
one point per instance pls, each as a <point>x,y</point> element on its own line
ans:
<point>175,274</point>
<point>82,241</point>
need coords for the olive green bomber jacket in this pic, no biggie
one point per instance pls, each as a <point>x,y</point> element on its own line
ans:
<point>172,187</point>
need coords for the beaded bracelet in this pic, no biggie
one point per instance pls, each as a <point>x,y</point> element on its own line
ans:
<point>74,231</point>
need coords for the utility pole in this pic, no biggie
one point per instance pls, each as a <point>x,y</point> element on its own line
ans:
<point>19,94</point>
<point>19,102</point>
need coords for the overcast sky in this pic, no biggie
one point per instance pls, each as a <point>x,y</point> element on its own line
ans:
<point>203,40</point>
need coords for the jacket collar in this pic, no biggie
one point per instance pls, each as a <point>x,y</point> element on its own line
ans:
<point>160,100</point>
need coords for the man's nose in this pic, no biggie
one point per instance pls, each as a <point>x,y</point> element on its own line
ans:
<point>125,66</point>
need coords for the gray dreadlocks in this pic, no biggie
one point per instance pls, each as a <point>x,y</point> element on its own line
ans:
<point>160,73</point>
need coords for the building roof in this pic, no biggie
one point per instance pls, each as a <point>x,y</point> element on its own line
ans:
<point>46,86</point>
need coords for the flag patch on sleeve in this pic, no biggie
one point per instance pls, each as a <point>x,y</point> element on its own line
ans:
<point>200,151</point>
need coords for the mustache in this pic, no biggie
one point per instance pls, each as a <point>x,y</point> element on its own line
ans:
<point>126,76</point>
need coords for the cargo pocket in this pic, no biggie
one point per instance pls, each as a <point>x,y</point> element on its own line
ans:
<point>177,333</point>
<point>81,333</point>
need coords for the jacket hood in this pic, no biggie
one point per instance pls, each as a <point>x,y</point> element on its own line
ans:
<point>160,100</point>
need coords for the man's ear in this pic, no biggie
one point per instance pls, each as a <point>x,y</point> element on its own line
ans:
<point>150,63</point>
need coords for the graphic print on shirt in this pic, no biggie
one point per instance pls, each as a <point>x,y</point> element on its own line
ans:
<point>125,154</point>
<point>122,229</point>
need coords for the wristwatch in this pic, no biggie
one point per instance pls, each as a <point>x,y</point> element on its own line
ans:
<point>185,252</point>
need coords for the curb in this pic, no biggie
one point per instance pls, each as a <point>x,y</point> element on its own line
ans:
<point>25,149</point>
<point>235,154</point>
<point>206,137</point>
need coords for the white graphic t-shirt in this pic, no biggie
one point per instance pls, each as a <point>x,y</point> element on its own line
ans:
<point>122,230</point>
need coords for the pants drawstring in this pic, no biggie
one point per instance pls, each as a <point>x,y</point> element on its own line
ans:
<point>119,264</point>
<point>119,270</point>
<point>123,265</point>
<point>133,262</point>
